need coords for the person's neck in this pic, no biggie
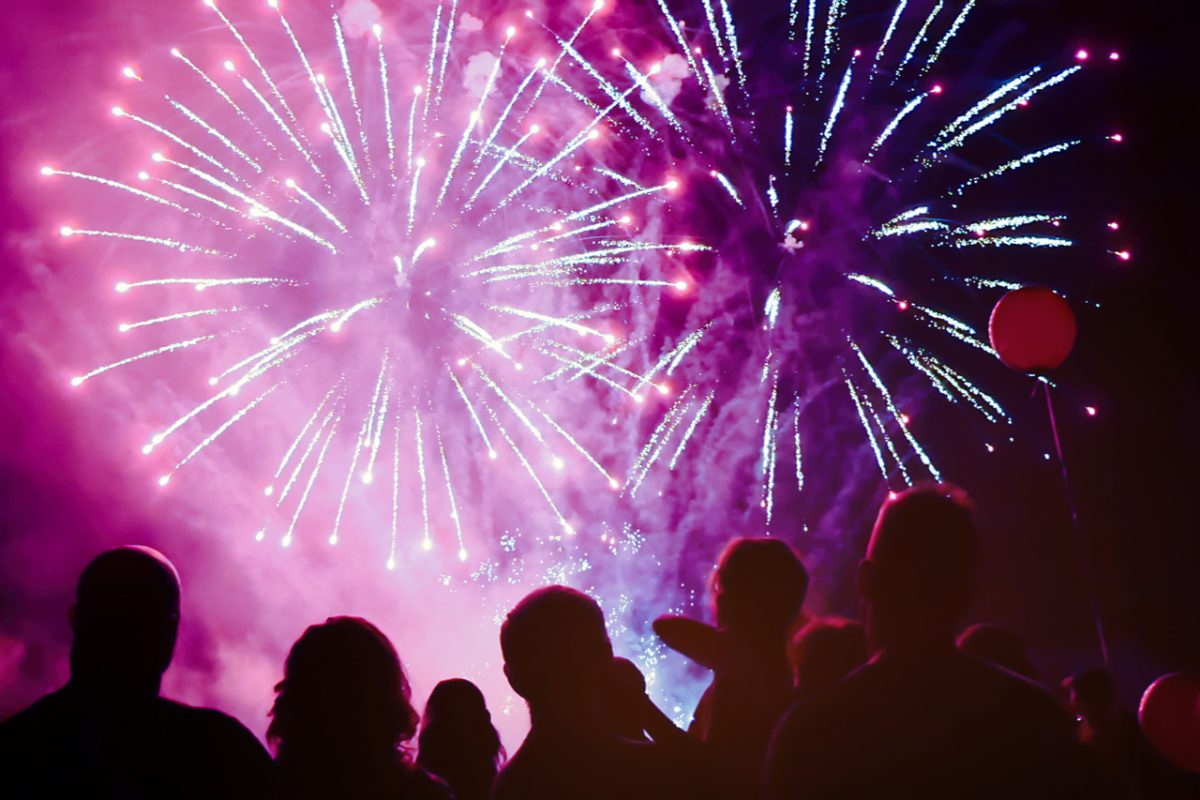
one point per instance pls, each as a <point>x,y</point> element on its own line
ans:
<point>97,684</point>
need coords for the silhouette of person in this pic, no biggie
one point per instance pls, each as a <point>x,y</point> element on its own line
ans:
<point>342,716</point>
<point>758,588</point>
<point>824,651</point>
<point>998,645</point>
<point>108,733</point>
<point>458,742</point>
<point>921,719</point>
<point>557,656</point>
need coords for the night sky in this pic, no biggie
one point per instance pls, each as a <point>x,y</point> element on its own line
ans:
<point>1132,467</point>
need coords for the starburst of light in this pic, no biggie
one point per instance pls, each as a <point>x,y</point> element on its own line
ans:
<point>888,153</point>
<point>424,268</point>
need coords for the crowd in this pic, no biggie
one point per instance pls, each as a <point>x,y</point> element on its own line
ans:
<point>798,707</point>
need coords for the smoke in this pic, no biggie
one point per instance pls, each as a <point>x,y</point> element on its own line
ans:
<point>475,75</point>
<point>74,481</point>
<point>469,23</point>
<point>668,82</point>
<point>359,17</point>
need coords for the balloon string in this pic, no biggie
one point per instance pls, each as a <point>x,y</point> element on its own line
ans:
<point>1086,562</point>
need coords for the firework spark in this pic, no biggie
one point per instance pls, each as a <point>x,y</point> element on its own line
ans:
<point>422,274</point>
<point>871,179</point>
<point>426,232</point>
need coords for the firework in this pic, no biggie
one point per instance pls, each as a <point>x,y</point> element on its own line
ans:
<point>398,244</point>
<point>872,152</point>
<point>427,230</point>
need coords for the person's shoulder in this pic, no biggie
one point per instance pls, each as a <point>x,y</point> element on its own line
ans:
<point>820,722</point>
<point>837,700</point>
<point>1012,687</point>
<point>418,784</point>
<point>212,726</point>
<point>811,733</point>
<point>1018,697</point>
<point>34,743</point>
<point>200,716</point>
<point>510,781</point>
<point>643,758</point>
<point>517,764</point>
<point>518,777</point>
<point>44,714</point>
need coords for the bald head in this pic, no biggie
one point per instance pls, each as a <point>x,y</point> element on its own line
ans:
<point>124,579</point>
<point>126,618</point>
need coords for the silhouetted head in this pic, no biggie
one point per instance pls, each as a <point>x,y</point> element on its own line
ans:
<point>556,651</point>
<point>125,620</point>
<point>457,735</point>
<point>826,650</point>
<point>920,570</point>
<point>1092,693</point>
<point>456,702</point>
<point>998,645</point>
<point>758,587</point>
<point>344,695</point>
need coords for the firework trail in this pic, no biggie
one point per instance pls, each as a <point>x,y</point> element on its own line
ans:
<point>418,233</point>
<point>445,233</point>
<point>877,156</point>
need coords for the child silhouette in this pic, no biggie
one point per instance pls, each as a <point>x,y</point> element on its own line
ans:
<point>758,588</point>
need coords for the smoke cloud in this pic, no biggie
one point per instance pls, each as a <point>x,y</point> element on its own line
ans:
<point>73,481</point>
<point>359,17</point>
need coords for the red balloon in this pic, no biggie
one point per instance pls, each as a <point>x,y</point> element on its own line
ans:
<point>1170,717</point>
<point>1032,329</point>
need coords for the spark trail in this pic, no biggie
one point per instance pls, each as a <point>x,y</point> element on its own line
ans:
<point>373,350</point>
<point>882,155</point>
